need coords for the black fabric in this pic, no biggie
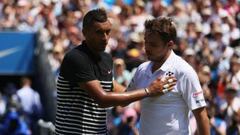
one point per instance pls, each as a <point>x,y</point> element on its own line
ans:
<point>81,65</point>
<point>77,113</point>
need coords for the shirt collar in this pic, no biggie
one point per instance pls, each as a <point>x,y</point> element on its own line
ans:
<point>168,63</point>
<point>165,66</point>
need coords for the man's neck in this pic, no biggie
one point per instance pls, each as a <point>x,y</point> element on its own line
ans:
<point>91,49</point>
<point>158,64</point>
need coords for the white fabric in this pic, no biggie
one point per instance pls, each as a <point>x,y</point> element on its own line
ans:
<point>168,114</point>
<point>28,97</point>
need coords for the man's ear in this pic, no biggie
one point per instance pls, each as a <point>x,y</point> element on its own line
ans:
<point>84,32</point>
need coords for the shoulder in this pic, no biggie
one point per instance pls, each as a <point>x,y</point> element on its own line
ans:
<point>19,92</point>
<point>74,59</point>
<point>74,55</point>
<point>182,67</point>
<point>75,52</point>
<point>141,69</point>
<point>106,56</point>
<point>143,66</point>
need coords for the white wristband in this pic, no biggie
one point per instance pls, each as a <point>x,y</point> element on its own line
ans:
<point>147,91</point>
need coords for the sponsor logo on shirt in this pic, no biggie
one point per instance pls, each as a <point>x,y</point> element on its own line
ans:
<point>199,101</point>
<point>196,94</point>
<point>169,73</point>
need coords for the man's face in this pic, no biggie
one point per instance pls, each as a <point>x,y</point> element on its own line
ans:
<point>98,35</point>
<point>155,48</point>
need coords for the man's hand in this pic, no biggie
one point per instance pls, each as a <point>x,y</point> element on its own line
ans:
<point>162,85</point>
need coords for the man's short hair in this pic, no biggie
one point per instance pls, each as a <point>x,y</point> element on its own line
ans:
<point>164,26</point>
<point>95,15</point>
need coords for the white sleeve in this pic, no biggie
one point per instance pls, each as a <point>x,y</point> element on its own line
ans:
<point>192,91</point>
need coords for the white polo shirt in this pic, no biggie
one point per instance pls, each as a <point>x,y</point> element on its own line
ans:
<point>168,114</point>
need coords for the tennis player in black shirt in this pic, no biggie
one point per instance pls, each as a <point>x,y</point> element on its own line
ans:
<point>85,86</point>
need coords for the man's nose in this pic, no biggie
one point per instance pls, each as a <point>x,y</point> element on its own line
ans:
<point>105,36</point>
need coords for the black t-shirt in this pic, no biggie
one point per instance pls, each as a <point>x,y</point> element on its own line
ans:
<point>81,65</point>
<point>77,113</point>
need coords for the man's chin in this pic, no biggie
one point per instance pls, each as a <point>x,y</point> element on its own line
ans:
<point>102,49</point>
<point>149,58</point>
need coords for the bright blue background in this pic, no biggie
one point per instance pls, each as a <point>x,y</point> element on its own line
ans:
<point>20,61</point>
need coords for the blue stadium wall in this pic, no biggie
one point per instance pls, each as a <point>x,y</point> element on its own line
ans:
<point>22,54</point>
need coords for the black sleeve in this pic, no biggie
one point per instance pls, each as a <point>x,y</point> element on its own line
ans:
<point>77,67</point>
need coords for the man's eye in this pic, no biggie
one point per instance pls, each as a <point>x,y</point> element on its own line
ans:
<point>99,32</point>
<point>108,32</point>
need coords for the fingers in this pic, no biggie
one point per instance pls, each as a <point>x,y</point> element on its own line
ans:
<point>168,79</point>
<point>172,84</point>
<point>162,79</point>
<point>165,90</point>
<point>162,85</point>
<point>171,79</point>
<point>168,83</point>
<point>165,86</point>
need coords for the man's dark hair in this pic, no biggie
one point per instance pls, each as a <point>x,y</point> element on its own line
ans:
<point>164,26</point>
<point>95,15</point>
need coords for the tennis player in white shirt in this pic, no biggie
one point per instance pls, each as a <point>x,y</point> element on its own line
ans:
<point>168,114</point>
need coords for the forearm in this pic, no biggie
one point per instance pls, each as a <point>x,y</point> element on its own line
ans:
<point>202,121</point>
<point>113,99</point>
<point>118,87</point>
<point>203,127</point>
<point>107,99</point>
